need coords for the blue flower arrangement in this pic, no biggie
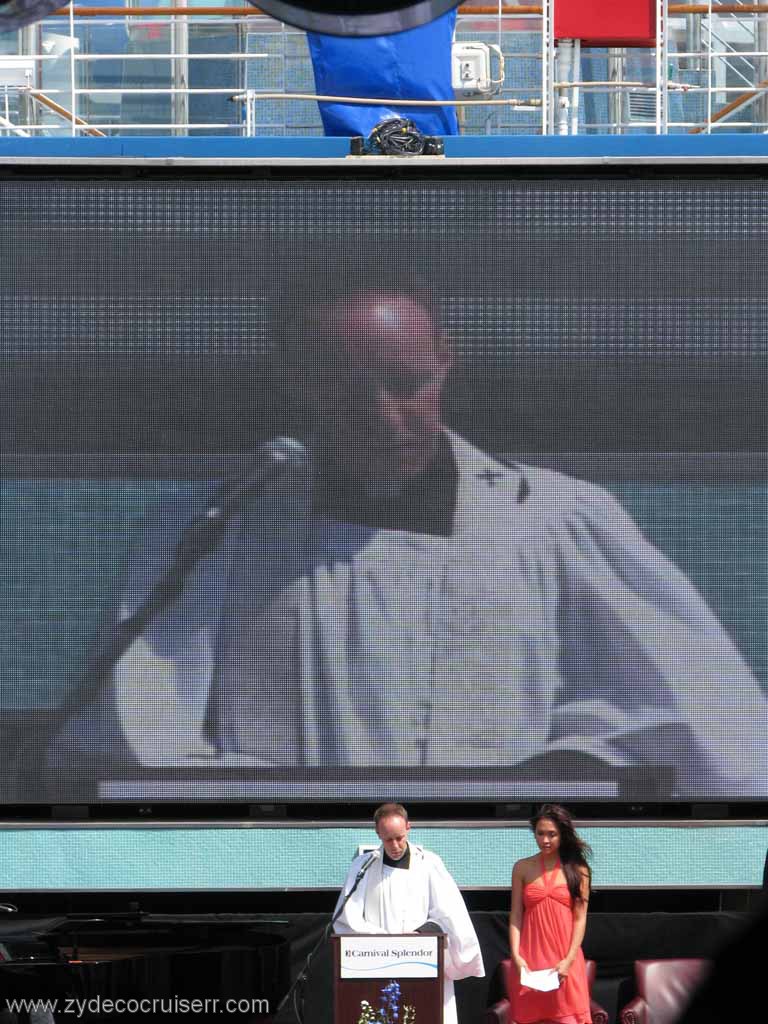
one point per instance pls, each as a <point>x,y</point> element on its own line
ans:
<point>389,1008</point>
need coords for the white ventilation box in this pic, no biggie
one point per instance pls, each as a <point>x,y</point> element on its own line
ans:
<point>471,72</point>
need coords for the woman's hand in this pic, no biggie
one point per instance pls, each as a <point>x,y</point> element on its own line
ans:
<point>562,969</point>
<point>519,964</point>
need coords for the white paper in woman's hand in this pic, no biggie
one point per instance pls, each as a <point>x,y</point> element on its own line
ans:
<point>542,981</point>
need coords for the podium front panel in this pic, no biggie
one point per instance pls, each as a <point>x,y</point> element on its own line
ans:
<point>388,979</point>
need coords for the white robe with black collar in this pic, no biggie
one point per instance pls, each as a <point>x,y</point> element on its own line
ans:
<point>392,901</point>
<point>545,624</point>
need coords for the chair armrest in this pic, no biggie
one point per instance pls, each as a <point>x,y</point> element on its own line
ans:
<point>498,1013</point>
<point>599,1015</point>
<point>635,1012</point>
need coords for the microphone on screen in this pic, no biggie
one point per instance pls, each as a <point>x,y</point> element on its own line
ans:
<point>198,540</point>
<point>203,533</point>
<point>273,459</point>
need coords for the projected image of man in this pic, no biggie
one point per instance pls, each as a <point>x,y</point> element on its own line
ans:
<point>405,599</point>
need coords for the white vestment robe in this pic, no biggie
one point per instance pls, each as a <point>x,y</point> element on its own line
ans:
<point>390,901</point>
<point>544,626</point>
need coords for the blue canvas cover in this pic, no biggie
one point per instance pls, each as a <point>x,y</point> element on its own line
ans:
<point>415,64</point>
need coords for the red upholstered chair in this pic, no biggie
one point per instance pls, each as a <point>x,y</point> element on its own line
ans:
<point>499,1012</point>
<point>664,988</point>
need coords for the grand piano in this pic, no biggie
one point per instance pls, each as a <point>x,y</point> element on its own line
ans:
<point>99,967</point>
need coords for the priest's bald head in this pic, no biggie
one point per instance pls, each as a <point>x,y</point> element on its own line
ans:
<point>371,367</point>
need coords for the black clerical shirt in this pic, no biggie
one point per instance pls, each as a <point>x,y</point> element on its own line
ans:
<point>404,862</point>
<point>425,504</point>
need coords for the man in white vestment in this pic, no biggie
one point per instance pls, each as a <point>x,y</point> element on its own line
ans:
<point>405,600</point>
<point>405,889</point>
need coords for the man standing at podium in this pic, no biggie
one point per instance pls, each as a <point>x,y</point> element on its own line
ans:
<point>405,888</point>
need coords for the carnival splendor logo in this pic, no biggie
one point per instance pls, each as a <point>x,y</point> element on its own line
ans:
<point>371,956</point>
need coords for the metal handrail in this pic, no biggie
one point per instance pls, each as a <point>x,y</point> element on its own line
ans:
<point>557,95</point>
<point>740,102</point>
<point>46,101</point>
<point>246,12</point>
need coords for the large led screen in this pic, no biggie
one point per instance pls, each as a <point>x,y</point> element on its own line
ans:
<point>510,542</point>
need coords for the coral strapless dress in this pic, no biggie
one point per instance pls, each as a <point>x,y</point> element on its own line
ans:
<point>544,940</point>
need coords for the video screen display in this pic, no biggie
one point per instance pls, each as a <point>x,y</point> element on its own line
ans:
<point>328,486</point>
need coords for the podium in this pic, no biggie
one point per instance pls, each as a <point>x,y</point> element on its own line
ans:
<point>388,979</point>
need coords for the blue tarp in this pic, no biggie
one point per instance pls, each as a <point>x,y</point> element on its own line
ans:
<point>415,64</point>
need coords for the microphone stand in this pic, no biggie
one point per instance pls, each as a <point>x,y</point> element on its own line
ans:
<point>199,539</point>
<point>303,974</point>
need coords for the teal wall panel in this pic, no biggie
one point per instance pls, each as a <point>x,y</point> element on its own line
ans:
<point>267,857</point>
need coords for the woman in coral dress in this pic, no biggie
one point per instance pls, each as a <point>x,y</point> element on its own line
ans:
<point>550,892</point>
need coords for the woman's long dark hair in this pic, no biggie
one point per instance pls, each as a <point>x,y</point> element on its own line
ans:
<point>574,851</point>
